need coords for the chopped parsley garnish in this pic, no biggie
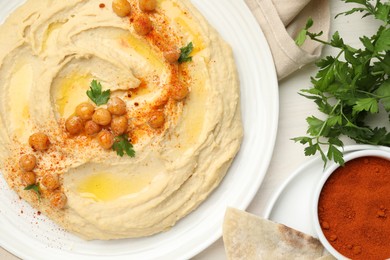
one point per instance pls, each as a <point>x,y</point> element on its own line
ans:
<point>185,53</point>
<point>122,145</point>
<point>96,94</point>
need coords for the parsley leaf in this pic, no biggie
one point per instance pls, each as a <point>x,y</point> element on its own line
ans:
<point>96,95</point>
<point>384,92</point>
<point>302,35</point>
<point>383,41</point>
<point>365,104</point>
<point>185,53</point>
<point>300,40</point>
<point>34,187</point>
<point>349,87</point>
<point>122,146</point>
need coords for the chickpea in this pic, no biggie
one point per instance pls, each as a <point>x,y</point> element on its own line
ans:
<point>147,5</point>
<point>39,141</point>
<point>74,125</point>
<point>116,106</point>
<point>58,200</point>
<point>119,125</point>
<point>27,162</point>
<point>122,8</point>
<point>157,120</point>
<point>143,25</point>
<point>102,117</point>
<point>28,178</point>
<point>105,139</point>
<point>85,111</point>
<point>179,92</point>
<point>50,181</point>
<point>172,56</point>
<point>92,128</point>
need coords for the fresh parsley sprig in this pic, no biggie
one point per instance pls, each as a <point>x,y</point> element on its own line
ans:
<point>349,86</point>
<point>96,94</point>
<point>122,145</point>
<point>35,188</point>
<point>185,53</point>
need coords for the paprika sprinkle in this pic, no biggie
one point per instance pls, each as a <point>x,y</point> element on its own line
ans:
<point>354,208</point>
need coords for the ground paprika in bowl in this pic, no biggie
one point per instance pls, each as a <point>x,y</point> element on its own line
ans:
<point>352,206</point>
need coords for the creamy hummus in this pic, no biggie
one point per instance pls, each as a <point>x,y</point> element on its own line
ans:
<point>50,53</point>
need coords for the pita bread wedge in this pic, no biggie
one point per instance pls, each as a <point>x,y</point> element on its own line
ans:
<point>247,236</point>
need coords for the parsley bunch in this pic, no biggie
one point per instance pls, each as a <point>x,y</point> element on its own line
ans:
<point>349,87</point>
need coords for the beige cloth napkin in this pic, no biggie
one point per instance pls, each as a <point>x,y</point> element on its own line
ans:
<point>281,21</point>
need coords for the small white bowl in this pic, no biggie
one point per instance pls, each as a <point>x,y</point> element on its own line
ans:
<point>327,173</point>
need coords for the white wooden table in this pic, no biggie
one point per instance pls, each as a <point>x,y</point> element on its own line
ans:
<point>294,109</point>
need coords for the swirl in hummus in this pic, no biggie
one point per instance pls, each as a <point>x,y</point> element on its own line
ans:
<point>183,119</point>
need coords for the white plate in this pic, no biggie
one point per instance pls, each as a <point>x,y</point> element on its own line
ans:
<point>30,236</point>
<point>292,202</point>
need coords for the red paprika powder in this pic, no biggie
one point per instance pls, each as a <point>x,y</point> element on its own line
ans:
<point>354,209</point>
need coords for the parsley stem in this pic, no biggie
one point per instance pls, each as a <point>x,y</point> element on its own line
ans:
<point>377,73</point>
<point>326,121</point>
<point>314,38</point>
<point>372,94</point>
